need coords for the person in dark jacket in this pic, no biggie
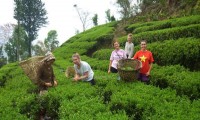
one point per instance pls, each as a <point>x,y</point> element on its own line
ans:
<point>46,77</point>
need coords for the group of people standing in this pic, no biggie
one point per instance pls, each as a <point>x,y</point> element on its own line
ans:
<point>45,76</point>
<point>39,69</point>
<point>83,71</point>
<point>143,55</point>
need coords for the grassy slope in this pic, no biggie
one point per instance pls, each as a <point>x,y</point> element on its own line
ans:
<point>109,99</point>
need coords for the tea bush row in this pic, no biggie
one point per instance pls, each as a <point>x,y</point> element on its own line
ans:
<point>165,34</point>
<point>185,83</point>
<point>157,25</point>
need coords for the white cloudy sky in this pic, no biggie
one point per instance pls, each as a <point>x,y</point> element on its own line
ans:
<point>62,16</point>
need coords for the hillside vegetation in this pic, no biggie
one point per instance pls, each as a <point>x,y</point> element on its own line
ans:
<point>174,91</point>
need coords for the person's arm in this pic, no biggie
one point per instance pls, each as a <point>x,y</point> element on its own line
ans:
<point>55,83</point>
<point>109,67</point>
<point>126,48</point>
<point>84,76</point>
<point>135,56</point>
<point>132,50</point>
<point>150,66</point>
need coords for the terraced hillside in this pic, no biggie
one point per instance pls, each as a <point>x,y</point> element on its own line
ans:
<point>174,91</point>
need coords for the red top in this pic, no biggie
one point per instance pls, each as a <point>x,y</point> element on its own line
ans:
<point>146,58</point>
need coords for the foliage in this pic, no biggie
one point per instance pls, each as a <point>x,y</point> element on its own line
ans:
<point>103,54</point>
<point>184,51</point>
<point>51,41</point>
<point>178,78</point>
<point>31,15</point>
<point>3,60</point>
<point>16,47</point>
<point>6,32</point>
<point>109,17</point>
<point>83,16</point>
<point>164,9</point>
<point>173,92</point>
<point>126,10</point>
<point>95,20</point>
<point>39,49</point>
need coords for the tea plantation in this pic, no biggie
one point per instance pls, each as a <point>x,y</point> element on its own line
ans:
<point>173,94</point>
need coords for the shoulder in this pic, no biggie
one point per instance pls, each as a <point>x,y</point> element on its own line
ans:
<point>121,50</point>
<point>149,52</point>
<point>139,51</point>
<point>84,63</point>
<point>113,52</point>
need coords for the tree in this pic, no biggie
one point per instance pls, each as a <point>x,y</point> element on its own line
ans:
<point>112,18</point>
<point>126,8</point>
<point>83,16</point>
<point>31,15</point>
<point>109,17</point>
<point>39,48</point>
<point>6,32</point>
<point>77,31</point>
<point>2,58</point>
<point>16,48</point>
<point>51,41</point>
<point>95,20</point>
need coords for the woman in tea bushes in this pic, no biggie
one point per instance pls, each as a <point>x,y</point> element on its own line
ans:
<point>129,46</point>
<point>83,70</point>
<point>39,69</point>
<point>147,59</point>
<point>116,55</point>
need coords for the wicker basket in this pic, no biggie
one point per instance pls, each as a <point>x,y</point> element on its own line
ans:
<point>31,67</point>
<point>128,69</point>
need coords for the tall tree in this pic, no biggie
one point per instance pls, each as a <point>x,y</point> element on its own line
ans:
<point>95,20</point>
<point>83,16</point>
<point>31,14</point>
<point>39,48</point>
<point>109,17</point>
<point>51,41</point>
<point>2,58</point>
<point>16,48</point>
<point>6,32</point>
<point>126,10</point>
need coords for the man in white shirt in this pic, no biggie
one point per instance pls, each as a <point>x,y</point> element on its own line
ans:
<point>83,70</point>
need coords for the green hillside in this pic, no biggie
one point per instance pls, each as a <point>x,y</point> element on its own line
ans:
<point>174,91</point>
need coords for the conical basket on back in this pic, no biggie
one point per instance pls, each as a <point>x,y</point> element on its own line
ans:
<point>128,69</point>
<point>31,67</point>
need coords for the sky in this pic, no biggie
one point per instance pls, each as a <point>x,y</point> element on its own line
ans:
<point>62,16</point>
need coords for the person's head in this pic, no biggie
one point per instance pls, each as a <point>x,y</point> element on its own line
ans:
<point>76,58</point>
<point>49,58</point>
<point>143,44</point>
<point>116,44</point>
<point>129,37</point>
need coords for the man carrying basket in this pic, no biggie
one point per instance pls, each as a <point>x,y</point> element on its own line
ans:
<point>147,59</point>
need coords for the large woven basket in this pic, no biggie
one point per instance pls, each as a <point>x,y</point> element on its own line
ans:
<point>128,69</point>
<point>31,67</point>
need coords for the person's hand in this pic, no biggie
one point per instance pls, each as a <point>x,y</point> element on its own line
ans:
<point>148,73</point>
<point>75,79</point>
<point>108,71</point>
<point>48,84</point>
<point>55,83</point>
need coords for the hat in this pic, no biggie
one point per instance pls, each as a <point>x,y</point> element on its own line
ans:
<point>49,56</point>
